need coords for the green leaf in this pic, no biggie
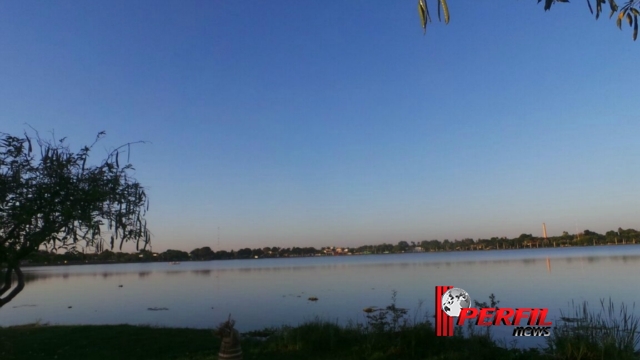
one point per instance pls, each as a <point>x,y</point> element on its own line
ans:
<point>590,8</point>
<point>613,6</point>
<point>598,8</point>
<point>619,20</point>
<point>445,10</point>
<point>422,12</point>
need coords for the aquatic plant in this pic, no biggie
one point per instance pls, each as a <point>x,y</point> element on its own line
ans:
<point>587,334</point>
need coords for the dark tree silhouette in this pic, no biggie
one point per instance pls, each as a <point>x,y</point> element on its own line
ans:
<point>56,201</point>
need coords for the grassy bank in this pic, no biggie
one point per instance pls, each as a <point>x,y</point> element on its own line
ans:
<point>388,334</point>
<point>315,340</point>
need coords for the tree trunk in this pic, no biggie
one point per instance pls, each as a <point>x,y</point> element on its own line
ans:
<point>8,281</point>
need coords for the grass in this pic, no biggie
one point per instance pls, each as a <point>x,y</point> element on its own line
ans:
<point>389,333</point>
<point>37,341</point>
<point>314,340</point>
<point>606,334</point>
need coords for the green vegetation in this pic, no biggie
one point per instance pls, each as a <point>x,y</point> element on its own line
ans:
<point>628,12</point>
<point>36,342</point>
<point>53,199</point>
<point>389,333</point>
<point>602,335</point>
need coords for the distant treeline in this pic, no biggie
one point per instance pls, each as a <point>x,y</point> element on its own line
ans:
<point>586,238</point>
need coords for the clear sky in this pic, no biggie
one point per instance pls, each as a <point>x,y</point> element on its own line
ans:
<point>320,123</point>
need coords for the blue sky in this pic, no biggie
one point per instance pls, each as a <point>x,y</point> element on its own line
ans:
<point>322,123</point>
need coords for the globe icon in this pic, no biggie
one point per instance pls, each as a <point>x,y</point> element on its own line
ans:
<point>454,300</point>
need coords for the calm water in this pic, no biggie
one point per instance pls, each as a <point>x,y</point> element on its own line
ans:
<point>268,292</point>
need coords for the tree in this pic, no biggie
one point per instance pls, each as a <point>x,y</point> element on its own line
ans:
<point>174,255</point>
<point>107,255</point>
<point>401,247</point>
<point>244,253</point>
<point>629,11</point>
<point>257,252</point>
<point>56,201</point>
<point>204,253</point>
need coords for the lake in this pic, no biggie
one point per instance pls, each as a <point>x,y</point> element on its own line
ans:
<point>267,292</point>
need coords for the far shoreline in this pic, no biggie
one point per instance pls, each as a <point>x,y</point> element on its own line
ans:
<point>90,262</point>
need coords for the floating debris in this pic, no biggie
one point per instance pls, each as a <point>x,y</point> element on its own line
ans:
<point>119,285</point>
<point>19,306</point>
<point>313,298</point>
<point>157,309</point>
<point>69,307</point>
<point>370,309</point>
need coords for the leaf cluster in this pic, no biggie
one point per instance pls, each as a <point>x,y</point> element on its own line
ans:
<point>53,199</point>
<point>629,11</point>
<point>425,17</point>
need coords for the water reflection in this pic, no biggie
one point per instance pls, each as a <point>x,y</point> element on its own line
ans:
<point>270,292</point>
<point>207,269</point>
<point>204,272</point>
<point>549,265</point>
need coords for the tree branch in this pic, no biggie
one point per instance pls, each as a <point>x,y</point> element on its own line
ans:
<point>15,290</point>
<point>7,281</point>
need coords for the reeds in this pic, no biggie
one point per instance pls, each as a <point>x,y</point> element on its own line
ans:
<point>602,334</point>
<point>609,333</point>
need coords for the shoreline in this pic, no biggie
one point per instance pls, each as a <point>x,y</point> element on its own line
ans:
<point>93,262</point>
<point>320,340</point>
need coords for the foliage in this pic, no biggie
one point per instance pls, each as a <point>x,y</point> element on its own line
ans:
<point>590,335</point>
<point>56,201</point>
<point>388,334</point>
<point>123,342</point>
<point>629,11</point>
<point>604,335</point>
<point>585,238</point>
<point>391,318</point>
<point>493,304</point>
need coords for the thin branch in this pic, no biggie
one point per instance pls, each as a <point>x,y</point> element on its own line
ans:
<point>112,152</point>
